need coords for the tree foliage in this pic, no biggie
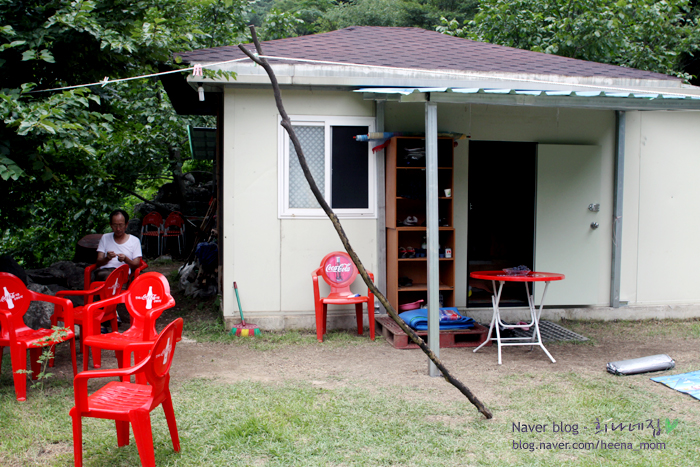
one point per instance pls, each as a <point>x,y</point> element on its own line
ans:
<point>66,156</point>
<point>649,35</point>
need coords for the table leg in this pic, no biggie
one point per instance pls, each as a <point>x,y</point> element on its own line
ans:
<point>537,325</point>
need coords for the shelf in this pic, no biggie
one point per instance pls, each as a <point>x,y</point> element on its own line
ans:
<point>421,168</point>
<point>420,229</point>
<point>423,287</point>
<point>422,200</point>
<point>424,259</point>
<point>405,196</point>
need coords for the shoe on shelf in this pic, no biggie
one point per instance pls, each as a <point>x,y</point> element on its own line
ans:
<point>402,252</point>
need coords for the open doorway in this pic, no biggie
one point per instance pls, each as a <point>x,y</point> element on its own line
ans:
<point>502,190</point>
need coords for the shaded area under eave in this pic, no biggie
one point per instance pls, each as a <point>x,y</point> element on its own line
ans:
<point>185,99</point>
<point>599,99</point>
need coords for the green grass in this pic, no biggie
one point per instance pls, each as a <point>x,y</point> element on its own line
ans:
<point>252,424</point>
<point>354,423</point>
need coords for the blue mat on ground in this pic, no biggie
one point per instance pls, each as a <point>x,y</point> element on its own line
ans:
<point>450,319</point>
<point>688,383</point>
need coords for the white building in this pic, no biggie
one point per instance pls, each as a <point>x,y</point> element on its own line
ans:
<point>547,138</point>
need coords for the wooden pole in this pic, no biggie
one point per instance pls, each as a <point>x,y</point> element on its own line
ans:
<point>287,125</point>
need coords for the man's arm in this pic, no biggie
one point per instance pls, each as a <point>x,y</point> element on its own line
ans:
<point>132,262</point>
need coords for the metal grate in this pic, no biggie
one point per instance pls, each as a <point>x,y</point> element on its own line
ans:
<point>551,332</point>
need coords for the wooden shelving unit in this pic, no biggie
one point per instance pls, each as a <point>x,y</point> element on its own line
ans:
<point>405,196</point>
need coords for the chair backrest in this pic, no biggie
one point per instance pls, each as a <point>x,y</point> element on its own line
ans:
<point>338,270</point>
<point>148,296</point>
<point>115,282</point>
<point>172,221</point>
<point>177,215</point>
<point>152,218</point>
<point>15,298</point>
<point>158,363</point>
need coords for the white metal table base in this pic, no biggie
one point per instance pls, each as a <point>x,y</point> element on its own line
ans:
<point>496,322</point>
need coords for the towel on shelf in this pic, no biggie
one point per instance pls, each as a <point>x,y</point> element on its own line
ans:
<point>450,319</point>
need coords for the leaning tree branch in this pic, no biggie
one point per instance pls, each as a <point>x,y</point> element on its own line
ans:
<point>287,124</point>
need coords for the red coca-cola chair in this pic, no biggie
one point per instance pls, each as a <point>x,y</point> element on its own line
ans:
<point>103,290</point>
<point>128,403</point>
<point>145,300</point>
<point>14,303</point>
<point>339,272</point>
<point>89,284</point>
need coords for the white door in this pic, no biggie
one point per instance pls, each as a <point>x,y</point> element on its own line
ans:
<point>569,179</point>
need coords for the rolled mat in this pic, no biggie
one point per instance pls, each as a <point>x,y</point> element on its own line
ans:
<point>450,319</point>
<point>641,365</point>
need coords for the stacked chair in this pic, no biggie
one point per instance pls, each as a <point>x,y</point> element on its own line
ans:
<point>174,226</point>
<point>152,227</point>
<point>103,290</point>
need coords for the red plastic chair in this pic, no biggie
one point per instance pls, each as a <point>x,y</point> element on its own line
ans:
<point>339,272</point>
<point>174,226</point>
<point>126,402</point>
<point>146,299</point>
<point>152,227</point>
<point>87,280</point>
<point>109,288</point>
<point>14,302</point>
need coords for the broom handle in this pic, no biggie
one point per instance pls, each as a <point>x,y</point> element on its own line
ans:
<point>240,310</point>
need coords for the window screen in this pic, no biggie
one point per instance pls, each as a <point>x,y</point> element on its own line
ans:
<point>312,139</point>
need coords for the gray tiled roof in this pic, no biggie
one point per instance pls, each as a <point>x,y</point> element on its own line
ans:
<point>421,49</point>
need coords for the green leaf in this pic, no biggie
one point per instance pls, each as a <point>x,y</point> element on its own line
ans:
<point>28,55</point>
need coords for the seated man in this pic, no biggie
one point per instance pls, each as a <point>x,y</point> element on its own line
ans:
<point>117,248</point>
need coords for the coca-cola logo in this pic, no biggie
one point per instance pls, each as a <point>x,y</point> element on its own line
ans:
<point>165,353</point>
<point>343,267</point>
<point>10,297</point>
<point>338,269</point>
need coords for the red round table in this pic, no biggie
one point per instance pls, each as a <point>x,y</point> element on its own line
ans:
<point>501,277</point>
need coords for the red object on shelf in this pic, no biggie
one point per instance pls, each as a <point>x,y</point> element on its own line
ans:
<point>126,402</point>
<point>532,276</point>
<point>109,288</point>
<point>339,272</point>
<point>14,303</point>
<point>145,300</point>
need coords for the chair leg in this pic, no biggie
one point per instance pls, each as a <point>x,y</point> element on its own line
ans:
<point>370,316</point>
<point>122,432</point>
<point>86,357</point>
<point>172,424</point>
<point>325,318</point>
<point>77,437</point>
<point>320,323</point>
<point>34,354</point>
<point>141,424</point>
<point>19,362</point>
<point>96,357</point>
<point>358,315</point>
<point>74,360</point>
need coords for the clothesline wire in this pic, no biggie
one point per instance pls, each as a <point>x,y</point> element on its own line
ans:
<point>383,67</point>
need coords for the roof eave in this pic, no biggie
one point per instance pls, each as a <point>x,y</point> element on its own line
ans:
<point>360,76</point>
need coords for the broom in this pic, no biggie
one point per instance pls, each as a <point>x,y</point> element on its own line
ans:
<point>243,329</point>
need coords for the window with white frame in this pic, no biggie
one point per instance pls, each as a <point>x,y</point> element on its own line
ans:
<point>343,168</point>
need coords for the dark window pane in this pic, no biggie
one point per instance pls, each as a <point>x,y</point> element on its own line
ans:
<point>349,168</point>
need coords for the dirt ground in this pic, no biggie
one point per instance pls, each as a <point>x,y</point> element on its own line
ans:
<point>377,364</point>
